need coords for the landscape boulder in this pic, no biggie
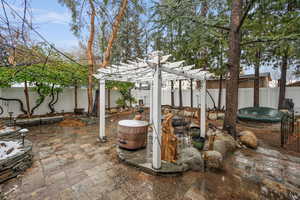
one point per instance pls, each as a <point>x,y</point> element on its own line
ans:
<point>228,140</point>
<point>113,110</point>
<point>213,159</point>
<point>249,139</point>
<point>220,146</point>
<point>192,158</point>
<point>222,141</point>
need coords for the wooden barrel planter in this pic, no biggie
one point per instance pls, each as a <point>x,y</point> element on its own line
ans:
<point>15,163</point>
<point>132,134</point>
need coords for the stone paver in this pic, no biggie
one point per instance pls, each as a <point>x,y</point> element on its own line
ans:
<point>69,163</point>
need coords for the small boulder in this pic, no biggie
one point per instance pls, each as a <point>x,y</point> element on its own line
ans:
<point>221,115</point>
<point>249,139</point>
<point>213,159</point>
<point>220,146</point>
<point>229,141</point>
<point>113,110</point>
<point>192,157</point>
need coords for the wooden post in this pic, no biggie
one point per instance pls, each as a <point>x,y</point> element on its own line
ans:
<point>102,110</point>
<point>203,108</point>
<point>156,159</point>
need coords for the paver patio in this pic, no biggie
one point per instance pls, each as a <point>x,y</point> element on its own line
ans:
<point>69,163</point>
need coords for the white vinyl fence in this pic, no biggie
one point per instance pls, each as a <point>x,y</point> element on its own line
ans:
<point>65,102</point>
<point>268,97</point>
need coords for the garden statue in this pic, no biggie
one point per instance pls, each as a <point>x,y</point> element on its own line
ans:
<point>169,140</point>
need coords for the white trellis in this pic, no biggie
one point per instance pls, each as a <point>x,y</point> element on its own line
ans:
<point>153,70</point>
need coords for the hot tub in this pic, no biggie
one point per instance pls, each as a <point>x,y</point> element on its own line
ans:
<point>260,114</point>
<point>132,134</point>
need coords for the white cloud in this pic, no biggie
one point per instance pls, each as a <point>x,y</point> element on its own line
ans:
<point>47,16</point>
<point>44,16</point>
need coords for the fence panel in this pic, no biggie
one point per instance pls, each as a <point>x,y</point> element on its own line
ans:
<point>268,97</point>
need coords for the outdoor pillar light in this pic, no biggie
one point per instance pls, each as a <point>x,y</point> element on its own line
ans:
<point>15,121</point>
<point>23,134</point>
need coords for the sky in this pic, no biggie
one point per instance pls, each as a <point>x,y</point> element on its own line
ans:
<point>52,21</point>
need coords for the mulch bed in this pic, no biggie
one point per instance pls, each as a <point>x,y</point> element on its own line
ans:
<point>69,122</point>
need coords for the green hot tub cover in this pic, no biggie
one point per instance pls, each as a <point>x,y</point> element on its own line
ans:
<point>260,114</point>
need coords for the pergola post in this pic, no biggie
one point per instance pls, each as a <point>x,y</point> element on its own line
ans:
<point>203,108</point>
<point>156,114</point>
<point>151,103</point>
<point>102,109</point>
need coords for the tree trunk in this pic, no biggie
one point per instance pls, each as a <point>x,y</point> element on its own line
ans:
<point>76,96</point>
<point>220,93</point>
<point>191,88</point>
<point>172,93</point>
<point>234,53</point>
<point>90,57</point>
<point>41,97</point>
<point>96,103</point>
<point>282,83</point>
<point>256,80</point>
<point>52,110</point>
<point>27,99</point>
<point>17,100</point>
<point>114,33</point>
<point>180,94</point>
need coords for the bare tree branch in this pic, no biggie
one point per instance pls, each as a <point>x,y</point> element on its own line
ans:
<point>248,7</point>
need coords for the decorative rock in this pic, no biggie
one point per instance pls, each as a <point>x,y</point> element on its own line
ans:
<point>213,116</point>
<point>220,146</point>
<point>113,110</point>
<point>221,115</point>
<point>249,139</point>
<point>188,113</point>
<point>210,132</point>
<point>222,142</point>
<point>16,164</point>
<point>213,159</point>
<point>192,157</point>
<point>10,133</point>
<point>229,141</point>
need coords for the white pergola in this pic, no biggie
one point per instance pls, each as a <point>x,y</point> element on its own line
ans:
<point>153,70</point>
